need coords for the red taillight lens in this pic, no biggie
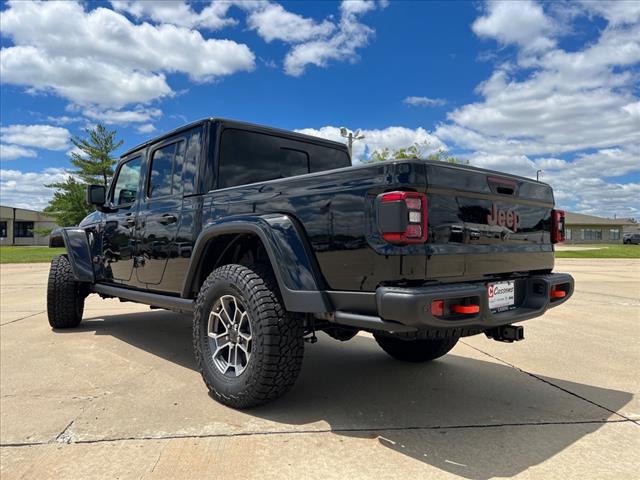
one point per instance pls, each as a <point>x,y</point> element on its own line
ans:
<point>557,226</point>
<point>402,217</point>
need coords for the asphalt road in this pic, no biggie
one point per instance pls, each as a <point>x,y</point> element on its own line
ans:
<point>119,397</point>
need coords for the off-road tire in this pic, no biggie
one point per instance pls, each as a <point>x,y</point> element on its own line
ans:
<point>65,296</point>
<point>277,337</point>
<point>416,351</point>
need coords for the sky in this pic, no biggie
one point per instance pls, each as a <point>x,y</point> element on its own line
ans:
<point>515,86</point>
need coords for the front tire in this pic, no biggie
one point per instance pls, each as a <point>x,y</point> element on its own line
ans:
<point>65,298</point>
<point>417,350</point>
<point>248,348</point>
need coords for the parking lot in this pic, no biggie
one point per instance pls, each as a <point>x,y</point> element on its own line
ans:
<point>119,397</point>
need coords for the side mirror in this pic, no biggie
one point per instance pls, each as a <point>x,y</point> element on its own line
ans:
<point>96,195</point>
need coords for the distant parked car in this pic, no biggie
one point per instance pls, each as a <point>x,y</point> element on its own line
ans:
<point>631,238</point>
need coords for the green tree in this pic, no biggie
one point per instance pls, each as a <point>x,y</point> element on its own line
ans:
<point>68,205</point>
<point>94,165</point>
<point>94,161</point>
<point>417,150</point>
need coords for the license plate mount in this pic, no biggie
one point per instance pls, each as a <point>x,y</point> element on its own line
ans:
<point>502,295</point>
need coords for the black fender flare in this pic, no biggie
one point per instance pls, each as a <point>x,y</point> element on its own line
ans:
<point>76,242</point>
<point>292,260</point>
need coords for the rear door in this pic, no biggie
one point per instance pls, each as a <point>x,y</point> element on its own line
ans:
<point>118,237</point>
<point>160,212</point>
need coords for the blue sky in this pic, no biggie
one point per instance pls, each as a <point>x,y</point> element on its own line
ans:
<point>513,86</point>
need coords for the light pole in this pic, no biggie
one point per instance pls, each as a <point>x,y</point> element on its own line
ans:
<point>350,136</point>
<point>538,175</point>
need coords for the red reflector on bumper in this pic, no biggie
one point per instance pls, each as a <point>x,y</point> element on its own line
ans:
<point>466,309</point>
<point>437,308</point>
<point>558,293</point>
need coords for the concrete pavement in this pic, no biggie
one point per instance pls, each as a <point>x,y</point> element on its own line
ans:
<point>119,397</point>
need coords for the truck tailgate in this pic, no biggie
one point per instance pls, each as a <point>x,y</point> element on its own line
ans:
<point>484,223</point>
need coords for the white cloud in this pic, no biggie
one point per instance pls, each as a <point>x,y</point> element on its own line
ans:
<point>26,189</point>
<point>621,200</point>
<point>573,113</point>
<point>392,138</point>
<point>272,22</point>
<point>37,136</point>
<point>122,117</point>
<point>63,119</point>
<point>605,163</point>
<point>579,185</point>
<point>178,12</point>
<point>76,151</point>
<point>100,57</point>
<point>423,101</point>
<point>515,164</point>
<point>570,101</point>
<point>11,152</point>
<point>522,22</point>
<point>358,7</point>
<point>342,45</point>
<point>81,79</point>
<point>617,12</point>
<point>146,128</point>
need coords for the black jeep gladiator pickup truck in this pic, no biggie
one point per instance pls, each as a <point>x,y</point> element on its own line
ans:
<point>268,236</point>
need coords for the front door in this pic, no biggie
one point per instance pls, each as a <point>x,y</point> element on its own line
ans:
<point>160,212</point>
<point>118,238</point>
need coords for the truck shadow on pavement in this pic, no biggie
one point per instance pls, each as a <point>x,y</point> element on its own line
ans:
<point>465,414</point>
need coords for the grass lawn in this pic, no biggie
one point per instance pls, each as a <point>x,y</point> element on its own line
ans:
<point>28,254</point>
<point>602,251</point>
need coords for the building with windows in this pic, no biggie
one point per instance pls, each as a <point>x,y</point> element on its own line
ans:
<point>580,228</point>
<point>19,226</point>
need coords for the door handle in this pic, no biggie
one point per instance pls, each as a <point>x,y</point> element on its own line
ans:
<point>167,219</point>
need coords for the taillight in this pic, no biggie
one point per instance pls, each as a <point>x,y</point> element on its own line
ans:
<point>402,217</point>
<point>557,226</point>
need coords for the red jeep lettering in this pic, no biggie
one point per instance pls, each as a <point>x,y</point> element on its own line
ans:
<point>504,218</point>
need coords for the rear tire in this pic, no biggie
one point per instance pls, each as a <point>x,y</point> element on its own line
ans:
<point>65,296</point>
<point>416,351</point>
<point>248,348</point>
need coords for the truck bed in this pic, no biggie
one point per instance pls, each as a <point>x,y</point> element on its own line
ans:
<point>337,211</point>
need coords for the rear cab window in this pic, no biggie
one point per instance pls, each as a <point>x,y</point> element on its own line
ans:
<point>249,157</point>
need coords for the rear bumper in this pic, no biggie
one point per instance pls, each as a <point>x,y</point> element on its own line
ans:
<point>409,309</point>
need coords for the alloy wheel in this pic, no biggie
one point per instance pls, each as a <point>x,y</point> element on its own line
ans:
<point>229,332</point>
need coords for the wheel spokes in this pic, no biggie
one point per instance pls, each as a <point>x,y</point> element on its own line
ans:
<point>229,332</point>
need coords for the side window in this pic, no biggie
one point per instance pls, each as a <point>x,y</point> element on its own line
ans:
<point>294,162</point>
<point>125,188</point>
<point>166,170</point>
<point>178,162</point>
<point>248,157</point>
<point>161,175</point>
<point>327,158</point>
<point>191,160</point>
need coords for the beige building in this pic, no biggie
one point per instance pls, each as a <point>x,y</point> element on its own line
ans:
<point>19,226</point>
<point>633,227</point>
<point>580,228</point>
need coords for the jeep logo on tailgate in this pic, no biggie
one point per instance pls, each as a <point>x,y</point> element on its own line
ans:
<point>504,218</point>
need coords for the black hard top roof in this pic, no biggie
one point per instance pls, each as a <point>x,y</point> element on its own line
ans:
<point>237,124</point>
